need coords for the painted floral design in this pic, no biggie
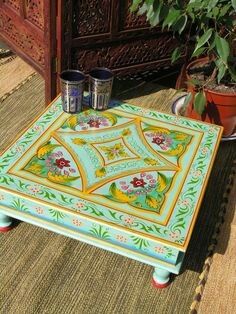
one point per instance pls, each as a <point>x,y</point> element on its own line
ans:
<point>39,210</point>
<point>138,182</point>
<point>62,162</point>
<point>74,92</point>
<point>19,149</point>
<point>144,190</point>
<point>159,249</point>
<point>34,189</point>
<point>114,151</point>
<point>95,123</point>
<point>77,222</point>
<point>167,141</point>
<point>174,235</point>
<point>52,163</point>
<point>121,238</point>
<point>90,119</point>
<point>162,140</point>
<point>129,220</point>
<point>142,184</point>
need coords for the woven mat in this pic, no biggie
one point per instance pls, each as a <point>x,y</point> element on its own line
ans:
<point>13,72</point>
<point>42,272</point>
<point>220,290</point>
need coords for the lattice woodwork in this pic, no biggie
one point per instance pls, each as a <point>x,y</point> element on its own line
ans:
<point>34,12</point>
<point>22,38</point>
<point>125,54</point>
<point>91,17</point>
<point>130,20</point>
<point>65,61</point>
<point>13,3</point>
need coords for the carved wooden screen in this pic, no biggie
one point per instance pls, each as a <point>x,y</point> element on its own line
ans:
<point>28,27</point>
<point>105,33</point>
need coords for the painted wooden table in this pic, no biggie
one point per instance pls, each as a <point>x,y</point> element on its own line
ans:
<point>127,179</point>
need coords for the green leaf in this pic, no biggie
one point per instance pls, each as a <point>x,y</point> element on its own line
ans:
<point>233,2</point>
<point>232,73</point>
<point>187,100</point>
<point>144,8</point>
<point>156,17</point>
<point>203,39</point>
<point>200,102</point>
<point>150,12</point>
<point>164,12</point>
<point>194,82</point>
<point>221,69</point>
<point>198,52</point>
<point>222,47</point>
<point>215,12</point>
<point>175,54</point>
<point>171,18</point>
<point>224,10</point>
<point>135,5</point>
<point>211,4</point>
<point>180,25</point>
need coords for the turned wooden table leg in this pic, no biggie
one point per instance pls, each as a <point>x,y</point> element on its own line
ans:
<point>5,223</point>
<point>161,278</point>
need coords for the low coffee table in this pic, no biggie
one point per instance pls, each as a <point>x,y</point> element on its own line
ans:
<point>127,179</point>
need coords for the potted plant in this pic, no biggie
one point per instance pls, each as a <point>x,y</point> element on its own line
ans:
<point>208,26</point>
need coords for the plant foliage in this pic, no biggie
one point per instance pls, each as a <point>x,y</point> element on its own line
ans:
<point>210,25</point>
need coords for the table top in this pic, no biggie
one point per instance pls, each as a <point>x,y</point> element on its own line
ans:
<point>134,169</point>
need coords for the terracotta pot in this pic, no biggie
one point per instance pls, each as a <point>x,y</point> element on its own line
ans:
<point>220,109</point>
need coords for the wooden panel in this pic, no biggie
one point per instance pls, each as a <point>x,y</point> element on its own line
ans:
<point>21,37</point>
<point>128,20</point>
<point>91,17</point>
<point>34,12</point>
<point>15,4</point>
<point>125,54</point>
<point>29,28</point>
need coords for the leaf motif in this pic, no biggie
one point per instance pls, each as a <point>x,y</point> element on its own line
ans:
<point>175,152</point>
<point>72,121</point>
<point>120,196</point>
<point>126,132</point>
<point>79,141</point>
<point>161,183</point>
<point>35,168</point>
<point>151,201</point>
<point>100,172</point>
<point>157,129</point>
<point>111,117</point>
<point>61,179</point>
<point>150,161</point>
<point>181,136</point>
<point>45,149</point>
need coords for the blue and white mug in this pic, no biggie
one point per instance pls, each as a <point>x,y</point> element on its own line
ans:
<point>100,87</point>
<point>72,90</point>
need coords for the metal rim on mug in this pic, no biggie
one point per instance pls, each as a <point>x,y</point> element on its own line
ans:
<point>81,76</point>
<point>100,69</point>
